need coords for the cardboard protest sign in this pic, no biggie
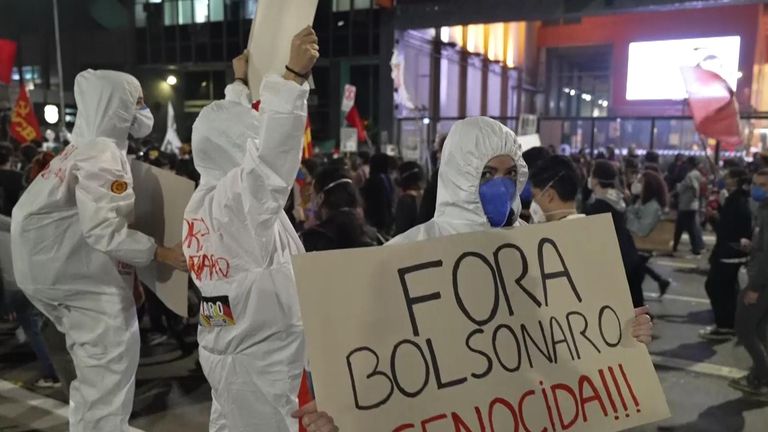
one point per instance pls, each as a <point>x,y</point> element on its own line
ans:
<point>349,97</point>
<point>272,30</point>
<point>161,197</point>
<point>503,330</point>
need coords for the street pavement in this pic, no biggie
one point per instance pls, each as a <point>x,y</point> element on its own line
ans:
<point>172,394</point>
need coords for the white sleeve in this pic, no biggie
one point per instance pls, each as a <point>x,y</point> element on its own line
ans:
<point>104,196</point>
<point>239,93</point>
<point>262,184</point>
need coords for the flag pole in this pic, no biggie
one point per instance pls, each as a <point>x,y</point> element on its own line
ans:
<point>62,115</point>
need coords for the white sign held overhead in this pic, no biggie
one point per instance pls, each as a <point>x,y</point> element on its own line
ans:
<point>348,102</point>
<point>529,141</point>
<point>273,28</point>
<point>348,140</point>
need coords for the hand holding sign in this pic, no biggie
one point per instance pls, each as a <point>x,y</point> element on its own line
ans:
<point>304,53</point>
<point>240,66</point>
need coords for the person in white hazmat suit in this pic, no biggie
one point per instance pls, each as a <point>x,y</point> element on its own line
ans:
<point>239,243</point>
<point>482,173</point>
<point>73,250</point>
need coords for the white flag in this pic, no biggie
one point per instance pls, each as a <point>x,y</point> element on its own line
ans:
<point>171,142</point>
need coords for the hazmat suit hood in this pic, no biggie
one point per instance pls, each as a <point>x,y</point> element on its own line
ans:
<point>471,143</point>
<point>106,105</point>
<point>220,137</point>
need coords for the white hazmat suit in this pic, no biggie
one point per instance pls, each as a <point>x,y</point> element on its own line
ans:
<point>471,143</point>
<point>239,243</point>
<point>72,251</point>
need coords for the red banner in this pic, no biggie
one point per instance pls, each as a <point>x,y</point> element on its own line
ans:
<point>714,109</point>
<point>24,125</point>
<point>7,59</point>
<point>354,120</point>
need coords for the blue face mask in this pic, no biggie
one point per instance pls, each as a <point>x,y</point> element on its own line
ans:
<point>496,195</point>
<point>759,194</point>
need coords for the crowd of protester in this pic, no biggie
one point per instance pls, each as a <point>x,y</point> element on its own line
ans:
<point>361,200</point>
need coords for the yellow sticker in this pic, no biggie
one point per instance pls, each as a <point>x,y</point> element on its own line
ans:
<point>118,187</point>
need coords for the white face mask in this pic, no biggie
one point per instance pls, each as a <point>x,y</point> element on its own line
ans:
<point>636,188</point>
<point>142,123</point>
<point>589,183</point>
<point>537,214</point>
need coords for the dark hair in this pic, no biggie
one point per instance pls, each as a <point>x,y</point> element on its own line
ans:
<point>740,175</point>
<point>651,157</point>
<point>692,162</point>
<point>312,166</point>
<point>410,176</point>
<point>654,188</point>
<point>605,173</point>
<point>379,164</point>
<point>340,202</point>
<point>365,157</point>
<point>631,163</point>
<point>561,172</point>
<point>28,152</point>
<point>5,154</point>
<point>534,155</point>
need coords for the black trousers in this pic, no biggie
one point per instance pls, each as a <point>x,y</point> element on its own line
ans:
<point>635,276</point>
<point>722,287</point>
<point>687,221</point>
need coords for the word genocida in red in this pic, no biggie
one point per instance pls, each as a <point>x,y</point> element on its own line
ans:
<point>565,404</point>
<point>498,343</point>
<point>202,265</point>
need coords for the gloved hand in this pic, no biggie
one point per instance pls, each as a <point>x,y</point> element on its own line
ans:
<point>173,256</point>
<point>304,53</point>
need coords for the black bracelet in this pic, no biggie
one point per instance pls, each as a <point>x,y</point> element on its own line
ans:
<point>305,76</point>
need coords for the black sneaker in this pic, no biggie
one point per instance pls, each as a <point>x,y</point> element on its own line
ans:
<point>717,333</point>
<point>664,287</point>
<point>750,386</point>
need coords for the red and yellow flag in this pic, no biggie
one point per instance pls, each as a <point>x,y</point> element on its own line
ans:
<point>308,148</point>
<point>24,125</point>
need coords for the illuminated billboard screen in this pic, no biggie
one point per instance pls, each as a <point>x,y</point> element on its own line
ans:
<point>653,72</point>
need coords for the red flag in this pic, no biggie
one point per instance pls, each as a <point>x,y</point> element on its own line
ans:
<point>305,395</point>
<point>24,125</point>
<point>7,59</point>
<point>714,108</point>
<point>354,120</point>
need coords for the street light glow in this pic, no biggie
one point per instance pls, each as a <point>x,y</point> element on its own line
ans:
<point>51,114</point>
<point>171,80</point>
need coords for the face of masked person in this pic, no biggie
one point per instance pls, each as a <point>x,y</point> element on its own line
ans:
<point>498,189</point>
<point>143,121</point>
<point>636,188</point>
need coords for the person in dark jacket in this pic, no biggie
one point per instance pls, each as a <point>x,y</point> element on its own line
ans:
<point>411,176</point>
<point>379,195</point>
<point>733,227</point>
<point>11,184</point>
<point>608,199</point>
<point>752,307</point>
<point>429,197</point>
<point>341,225</point>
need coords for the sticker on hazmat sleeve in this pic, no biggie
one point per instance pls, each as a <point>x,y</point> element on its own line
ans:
<point>118,187</point>
<point>216,312</point>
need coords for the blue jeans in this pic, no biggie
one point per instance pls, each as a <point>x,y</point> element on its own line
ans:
<point>31,321</point>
